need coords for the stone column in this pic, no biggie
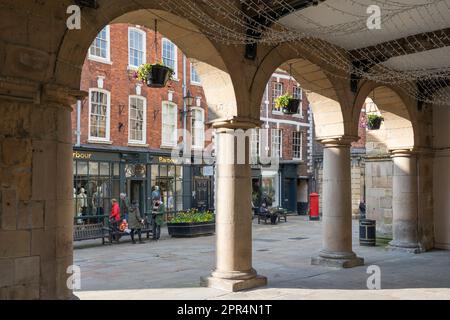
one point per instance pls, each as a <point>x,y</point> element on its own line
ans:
<point>35,191</point>
<point>405,201</point>
<point>337,206</point>
<point>234,269</point>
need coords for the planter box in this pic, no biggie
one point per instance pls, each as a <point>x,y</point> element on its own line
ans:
<point>181,230</point>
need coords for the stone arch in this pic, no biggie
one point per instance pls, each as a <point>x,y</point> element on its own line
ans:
<point>321,82</point>
<point>184,33</point>
<point>400,119</point>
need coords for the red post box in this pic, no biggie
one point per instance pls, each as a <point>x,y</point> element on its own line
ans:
<point>314,207</point>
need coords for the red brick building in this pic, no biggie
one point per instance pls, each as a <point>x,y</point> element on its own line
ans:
<point>289,137</point>
<point>126,131</point>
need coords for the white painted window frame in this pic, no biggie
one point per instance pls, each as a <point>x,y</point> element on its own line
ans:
<point>274,96</point>
<point>144,125</point>
<point>166,144</point>
<point>255,139</point>
<point>108,116</point>
<point>175,69</point>
<point>280,136</point>
<point>196,83</point>
<point>144,44</point>
<point>106,60</point>
<point>300,146</point>
<point>195,146</point>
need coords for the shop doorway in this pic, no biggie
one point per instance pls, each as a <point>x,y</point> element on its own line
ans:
<point>202,192</point>
<point>302,196</point>
<point>136,191</point>
<point>290,195</point>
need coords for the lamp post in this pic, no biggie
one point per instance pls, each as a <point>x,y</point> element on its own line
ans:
<point>188,102</point>
<point>188,99</point>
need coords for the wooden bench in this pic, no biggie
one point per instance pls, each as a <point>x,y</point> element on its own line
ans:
<point>281,214</point>
<point>117,234</point>
<point>90,232</point>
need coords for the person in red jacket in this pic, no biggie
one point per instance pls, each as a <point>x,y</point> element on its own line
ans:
<point>114,216</point>
<point>115,211</point>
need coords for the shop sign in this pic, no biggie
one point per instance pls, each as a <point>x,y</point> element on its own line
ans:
<point>166,160</point>
<point>82,155</point>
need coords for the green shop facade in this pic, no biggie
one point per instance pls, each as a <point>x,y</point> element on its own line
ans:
<point>102,174</point>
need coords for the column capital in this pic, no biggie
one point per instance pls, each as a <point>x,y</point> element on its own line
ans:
<point>234,123</point>
<point>409,152</point>
<point>27,91</point>
<point>337,141</point>
<point>58,95</point>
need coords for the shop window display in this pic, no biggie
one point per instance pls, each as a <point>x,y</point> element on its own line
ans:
<point>167,185</point>
<point>95,184</point>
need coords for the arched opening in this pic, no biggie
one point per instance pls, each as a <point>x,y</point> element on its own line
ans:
<point>121,175</point>
<point>391,164</point>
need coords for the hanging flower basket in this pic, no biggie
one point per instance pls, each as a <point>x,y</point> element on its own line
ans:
<point>287,104</point>
<point>292,107</point>
<point>154,75</point>
<point>374,121</point>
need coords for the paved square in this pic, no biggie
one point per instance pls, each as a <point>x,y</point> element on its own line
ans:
<point>171,268</point>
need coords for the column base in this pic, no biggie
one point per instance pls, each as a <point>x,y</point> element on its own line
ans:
<point>337,260</point>
<point>74,297</point>
<point>404,247</point>
<point>234,281</point>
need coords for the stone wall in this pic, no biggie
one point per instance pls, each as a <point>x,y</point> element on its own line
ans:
<point>378,174</point>
<point>358,181</point>
<point>35,183</point>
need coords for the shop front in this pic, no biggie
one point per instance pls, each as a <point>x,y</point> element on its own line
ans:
<point>144,176</point>
<point>280,188</point>
<point>100,176</point>
<point>203,187</point>
<point>265,187</point>
<point>168,183</point>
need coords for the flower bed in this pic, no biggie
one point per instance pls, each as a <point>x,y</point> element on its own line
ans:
<point>192,224</point>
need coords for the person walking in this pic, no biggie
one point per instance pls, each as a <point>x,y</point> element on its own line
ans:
<point>114,216</point>
<point>124,205</point>
<point>362,210</point>
<point>158,218</point>
<point>135,221</point>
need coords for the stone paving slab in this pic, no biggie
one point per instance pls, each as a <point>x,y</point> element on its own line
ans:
<point>171,268</point>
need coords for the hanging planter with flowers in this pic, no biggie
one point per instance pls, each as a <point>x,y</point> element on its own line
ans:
<point>287,104</point>
<point>374,121</point>
<point>374,118</point>
<point>154,75</point>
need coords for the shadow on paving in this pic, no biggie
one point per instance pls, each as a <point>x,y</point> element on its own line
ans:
<point>281,252</point>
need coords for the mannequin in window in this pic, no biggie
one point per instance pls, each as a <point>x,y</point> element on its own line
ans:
<point>75,203</point>
<point>83,201</point>
<point>170,202</point>
<point>78,206</point>
<point>97,202</point>
<point>156,194</point>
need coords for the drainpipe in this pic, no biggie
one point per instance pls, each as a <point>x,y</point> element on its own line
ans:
<point>266,103</point>
<point>184,104</point>
<point>78,131</point>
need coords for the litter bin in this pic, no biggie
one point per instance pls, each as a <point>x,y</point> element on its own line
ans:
<point>367,232</point>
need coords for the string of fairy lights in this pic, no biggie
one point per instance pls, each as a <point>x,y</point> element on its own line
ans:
<point>236,22</point>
